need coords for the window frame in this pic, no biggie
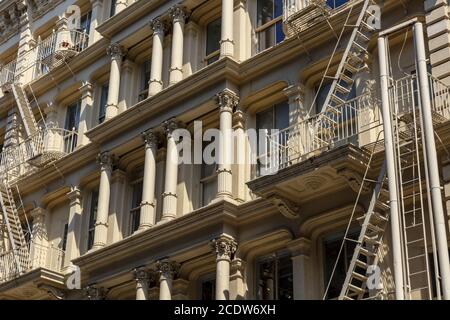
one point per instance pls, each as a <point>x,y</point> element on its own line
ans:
<point>214,55</point>
<point>102,106</point>
<point>93,211</point>
<point>259,29</point>
<point>135,211</point>
<point>144,85</point>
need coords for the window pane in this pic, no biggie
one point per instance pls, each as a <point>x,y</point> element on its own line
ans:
<point>92,219</point>
<point>282,116</point>
<point>145,75</point>
<point>209,191</point>
<point>266,38</point>
<point>137,195</point>
<point>275,278</point>
<point>213,30</point>
<point>103,102</point>
<point>64,239</point>
<point>265,10</point>
<point>208,290</point>
<point>336,3</point>
<point>321,96</point>
<point>113,8</point>
<point>73,116</point>
<point>85,22</point>
<point>279,32</point>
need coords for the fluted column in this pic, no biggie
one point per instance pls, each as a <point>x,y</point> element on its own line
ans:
<point>301,267</point>
<point>223,247</point>
<point>52,139</point>
<point>73,230</point>
<point>227,101</point>
<point>85,113</point>
<point>147,218</point>
<point>96,19</point>
<point>178,15</point>
<point>117,52</point>
<point>171,179</point>
<point>167,271</point>
<point>156,83</point>
<point>38,247</point>
<point>142,277</point>
<point>226,40</point>
<point>101,226</point>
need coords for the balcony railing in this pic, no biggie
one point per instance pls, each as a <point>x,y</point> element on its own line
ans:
<point>14,263</point>
<point>357,121</point>
<point>49,144</point>
<point>48,54</point>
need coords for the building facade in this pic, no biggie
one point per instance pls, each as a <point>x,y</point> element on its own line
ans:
<point>94,94</point>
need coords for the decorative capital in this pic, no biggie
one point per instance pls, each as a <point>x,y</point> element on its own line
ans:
<point>158,26</point>
<point>74,195</point>
<point>167,268</point>
<point>116,51</point>
<point>105,159</point>
<point>295,93</point>
<point>227,100</point>
<point>142,274</point>
<point>86,89</point>
<point>300,246</point>
<point>239,118</point>
<point>150,138</point>
<point>94,292</point>
<point>224,247</point>
<point>178,13</point>
<point>170,126</point>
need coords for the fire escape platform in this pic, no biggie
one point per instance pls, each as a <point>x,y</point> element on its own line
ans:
<point>322,174</point>
<point>32,285</point>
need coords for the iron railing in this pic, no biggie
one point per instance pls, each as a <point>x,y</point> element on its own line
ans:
<point>14,263</point>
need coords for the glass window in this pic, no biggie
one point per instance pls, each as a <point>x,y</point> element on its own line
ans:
<point>332,246</point>
<point>336,3</point>
<point>208,180</point>
<point>145,79</point>
<point>208,290</point>
<point>92,219</point>
<point>85,22</point>
<point>135,213</point>
<point>275,278</point>
<point>64,239</point>
<point>103,101</point>
<point>269,23</point>
<point>112,10</point>
<point>213,34</point>
<point>71,126</point>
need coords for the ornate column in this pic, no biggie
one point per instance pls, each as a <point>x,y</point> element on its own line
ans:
<point>117,52</point>
<point>178,15</point>
<point>142,277</point>
<point>147,218</point>
<point>85,113</point>
<point>53,138</point>
<point>226,39</point>
<point>117,206</point>
<point>171,179</point>
<point>227,101</point>
<point>167,271</point>
<point>296,99</point>
<point>74,226</point>
<point>126,92</point>
<point>96,19</point>
<point>156,83</point>
<point>101,226</point>
<point>301,267</point>
<point>224,247</point>
<point>241,168</point>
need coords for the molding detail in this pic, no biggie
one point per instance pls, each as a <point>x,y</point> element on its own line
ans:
<point>286,207</point>
<point>227,100</point>
<point>116,51</point>
<point>167,268</point>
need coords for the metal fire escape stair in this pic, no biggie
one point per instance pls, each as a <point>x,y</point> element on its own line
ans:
<point>351,63</point>
<point>408,152</point>
<point>14,227</point>
<point>24,107</point>
<point>373,225</point>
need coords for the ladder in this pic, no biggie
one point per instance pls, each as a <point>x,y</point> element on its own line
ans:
<point>14,228</point>
<point>407,141</point>
<point>351,63</point>
<point>365,255</point>
<point>26,113</point>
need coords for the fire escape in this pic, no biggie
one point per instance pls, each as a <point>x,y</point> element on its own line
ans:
<point>39,147</point>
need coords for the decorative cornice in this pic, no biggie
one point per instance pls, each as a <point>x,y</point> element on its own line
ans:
<point>224,247</point>
<point>286,207</point>
<point>116,51</point>
<point>227,100</point>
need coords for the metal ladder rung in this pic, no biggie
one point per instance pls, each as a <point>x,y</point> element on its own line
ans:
<point>414,226</point>
<point>417,273</point>
<point>416,257</point>
<point>415,241</point>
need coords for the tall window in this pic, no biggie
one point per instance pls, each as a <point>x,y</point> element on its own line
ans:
<point>64,239</point>
<point>71,126</point>
<point>103,101</point>
<point>331,249</point>
<point>208,180</point>
<point>145,79</point>
<point>85,22</point>
<point>274,118</point>
<point>135,213</point>
<point>275,278</point>
<point>269,28</point>
<point>112,9</point>
<point>208,289</point>
<point>92,219</point>
<point>213,31</point>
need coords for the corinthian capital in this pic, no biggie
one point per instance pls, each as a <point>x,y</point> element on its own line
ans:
<point>105,159</point>
<point>167,268</point>
<point>170,126</point>
<point>224,246</point>
<point>158,26</point>
<point>142,274</point>
<point>178,13</point>
<point>227,100</point>
<point>150,138</point>
<point>94,292</point>
<point>116,51</point>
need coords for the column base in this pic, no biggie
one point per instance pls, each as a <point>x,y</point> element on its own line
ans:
<point>226,48</point>
<point>154,87</point>
<point>111,111</point>
<point>176,75</point>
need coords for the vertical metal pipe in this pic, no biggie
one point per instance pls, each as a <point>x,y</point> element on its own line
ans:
<point>431,154</point>
<point>391,170</point>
